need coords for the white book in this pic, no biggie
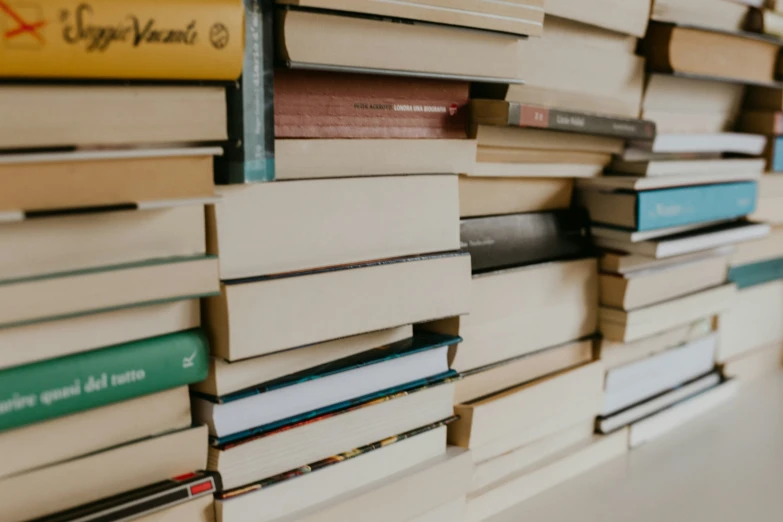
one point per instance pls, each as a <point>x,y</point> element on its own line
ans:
<point>646,408</point>
<point>659,182</point>
<point>708,167</point>
<point>734,142</point>
<point>634,382</point>
<point>235,416</point>
<point>637,236</point>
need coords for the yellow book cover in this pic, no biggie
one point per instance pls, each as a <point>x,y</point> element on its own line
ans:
<point>115,39</point>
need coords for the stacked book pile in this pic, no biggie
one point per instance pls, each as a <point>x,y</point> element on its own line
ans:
<point>667,213</point>
<point>104,256</point>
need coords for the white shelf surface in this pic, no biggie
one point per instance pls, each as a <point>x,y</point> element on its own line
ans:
<point>726,465</point>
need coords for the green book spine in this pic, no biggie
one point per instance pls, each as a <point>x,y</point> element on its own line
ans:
<point>250,155</point>
<point>49,389</point>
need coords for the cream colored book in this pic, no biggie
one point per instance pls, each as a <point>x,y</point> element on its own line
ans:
<point>752,321</point>
<point>755,364</point>
<point>269,315</point>
<point>714,14</point>
<point>764,249</point>
<point>485,196</point>
<point>316,159</point>
<point>200,510</point>
<point>528,138</point>
<point>507,318</point>
<point>539,170</point>
<point>453,511</point>
<point>624,16</point>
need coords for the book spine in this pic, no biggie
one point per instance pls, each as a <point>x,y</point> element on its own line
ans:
<point>57,387</point>
<point>515,240</point>
<point>745,276</point>
<point>107,39</point>
<point>554,119</point>
<point>250,155</point>
<point>776,144</point>
<point>684,206</point>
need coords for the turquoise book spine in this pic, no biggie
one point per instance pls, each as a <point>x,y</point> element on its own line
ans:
<point>690,205</point>
<point>49,389</point>
<point>745,276</point>
<point>777,154</point>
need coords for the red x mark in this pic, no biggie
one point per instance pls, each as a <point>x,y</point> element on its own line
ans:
<point>23,26</point>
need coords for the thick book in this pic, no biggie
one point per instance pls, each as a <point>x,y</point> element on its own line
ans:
<point>487,196</point>
<point>499,112</point>
<point>624,16</point>
<point>315,104</point>
<point>640,183</point>
<point>761,122</point>
<point>50,389</point>
<point>670,207</point>
<point>139,40</point>
<point>723,142</point>
<point>500,242</point>
<point>774,154</point>
<point>141,502</point>
<point>328,387</point>
<point>753,274</point>
<point>760,306</point>
<point>250,153</point>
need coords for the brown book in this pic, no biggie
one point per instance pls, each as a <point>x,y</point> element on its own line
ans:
<point>699,52</point>
<point>761,122</point>
<point>312,104</point>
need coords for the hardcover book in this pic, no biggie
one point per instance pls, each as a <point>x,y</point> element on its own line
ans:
<point>57,387</point>
<point>313,104</point>
<point>774,154</point>
<point>250,154</point>
<point>105,39</point>
<point>498,112</point>
<point>500,242</point>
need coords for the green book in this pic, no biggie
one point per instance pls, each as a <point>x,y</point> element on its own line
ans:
<point>49,389</point>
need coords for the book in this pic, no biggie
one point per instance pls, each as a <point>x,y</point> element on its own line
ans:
<point>765,21</point>
<point>763,99</point>
<point>281,495</point>
<point>745,276</point>
<point>110,115</point>
<point>538,139</point>
<point>50,389</point>
<point>524,18</point>
<point>653,427</point>
<point>327,387</point>
<point>665,208</point>
<point>613,262</point>
<point>640,380</point>
<point>573,395</point>
<point>507,320</point>
<point>347,220</point>
<point>246,460</point>
<point>250,153</point>
<point>755,364</point>
<point>70,294</point>
<point>143,501</point>
<point>627,326</point>
<point>496,377</point>
<point>501,242</point>
<point>646,287</point>
<point>326,40</point>
<point>705,53</point>
<point>545,475</point>
<point>759,306</point>
<point>532,156</point>
<point>61,337</point>
<point>610,423</point>
<point>542,170</point>
<point>769,210</point>
<point>42,181</point>
<point>731,142</point>
<point>200,510</point>
<point>723,15</point>
<point>486,196</point>
<point>335,302</point>
<point>614,354</point>
<point>149,41</point>
<point>48,243</point>
<point>108,426</point>
<point>774,154</point>
<point>425,488</point>
<point>599,71</point>
<point>170,455</point>
<point>655,182</point>
<point>499,112</point>
<point>229,377</point>
<point>692,171</point>
<point>761,122</point>
<point>328,105</point>
<point>616,15</point>
<point>323,158</point>
<point>453,510</point>
<point>687,242</point>
<point>763,249</point>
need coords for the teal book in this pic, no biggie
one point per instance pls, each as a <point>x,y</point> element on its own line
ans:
<point>249,156</point>
<point>776,154</point>
<point>49,389</point>
<point>752,274</point>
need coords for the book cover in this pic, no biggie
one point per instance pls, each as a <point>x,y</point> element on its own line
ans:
<point>682,206</point>
<point>752,274</point>
<point>140,502</point>
<point>500,242</point>
<point>250,154</point>
<point>313,104</point>
<point>57,387</point>
<point>774,154</point>
<point>497,112</point>
<point>137,40</point>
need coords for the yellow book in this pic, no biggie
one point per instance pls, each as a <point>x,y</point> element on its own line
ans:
<point>114,39</point>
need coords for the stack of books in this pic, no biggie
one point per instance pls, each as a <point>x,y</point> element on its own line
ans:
<point>323,402</point>
<point>104,254</point>
<point>667,213</point>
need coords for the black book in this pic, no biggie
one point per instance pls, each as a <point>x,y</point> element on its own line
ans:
<point>140,502</point>
<point>500,242</point>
